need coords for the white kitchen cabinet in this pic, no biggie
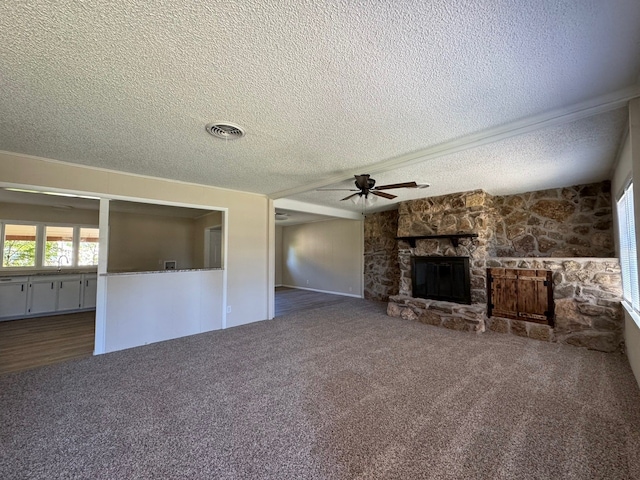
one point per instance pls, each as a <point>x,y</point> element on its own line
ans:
<point>43,295</point>
<point>69,288</point>
<point>37,295</point>
<point>13,296</point>
<point>89,290</point>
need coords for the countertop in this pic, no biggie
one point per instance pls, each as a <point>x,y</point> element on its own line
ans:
<point>108,274</point>
<point>39,273</point>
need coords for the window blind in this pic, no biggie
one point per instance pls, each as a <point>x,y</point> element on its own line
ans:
<point>628,249</point>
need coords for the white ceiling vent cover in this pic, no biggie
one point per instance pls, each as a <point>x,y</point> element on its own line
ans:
<point>225,130</point>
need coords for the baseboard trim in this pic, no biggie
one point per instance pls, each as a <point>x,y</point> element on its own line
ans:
<point>324,291</point>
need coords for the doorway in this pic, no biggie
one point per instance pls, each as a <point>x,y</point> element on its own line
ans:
<point>213,247</point>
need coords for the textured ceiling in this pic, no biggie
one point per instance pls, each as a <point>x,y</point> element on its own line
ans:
<point>324,89</point>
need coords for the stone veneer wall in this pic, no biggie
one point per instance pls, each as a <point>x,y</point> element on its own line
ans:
<point>381,271</point>
<point>566,222</point>
<point>587,295</point>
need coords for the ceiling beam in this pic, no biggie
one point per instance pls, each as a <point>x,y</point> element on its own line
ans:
<point>561,116</point>
<point>296,205</point>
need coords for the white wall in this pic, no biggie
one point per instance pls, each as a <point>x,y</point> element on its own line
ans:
<point>153,307</point>
<point>278,256</point>
<point>628,163</point>
<point>325,256</point>
<point>247,226</point>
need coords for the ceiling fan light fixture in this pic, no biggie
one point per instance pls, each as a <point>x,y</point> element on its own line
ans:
<point>361,199</point>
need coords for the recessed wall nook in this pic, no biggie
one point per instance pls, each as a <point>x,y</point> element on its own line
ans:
<point>555,246</point>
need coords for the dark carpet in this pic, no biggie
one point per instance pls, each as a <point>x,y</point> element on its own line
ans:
<point>337,392</point>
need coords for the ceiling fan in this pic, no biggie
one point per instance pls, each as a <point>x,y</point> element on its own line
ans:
<point>366,186</point>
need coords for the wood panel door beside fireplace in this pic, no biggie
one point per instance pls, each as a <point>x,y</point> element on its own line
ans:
<point>522,294</point>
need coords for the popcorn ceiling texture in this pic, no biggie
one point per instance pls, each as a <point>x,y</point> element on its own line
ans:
<point>577,153</point>
<point>322,88</point>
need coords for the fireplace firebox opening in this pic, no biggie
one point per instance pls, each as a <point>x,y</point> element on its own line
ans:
<point>441,278</point>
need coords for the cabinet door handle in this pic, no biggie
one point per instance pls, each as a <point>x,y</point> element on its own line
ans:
<point>87,284</point>
<point>51,285</point>
<point>22,287</point>
<point>60,284</point>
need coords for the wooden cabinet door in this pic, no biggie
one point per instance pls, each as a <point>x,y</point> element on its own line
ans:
<point>521,294</point>
<point>503,295</point>
<point>533,297</point>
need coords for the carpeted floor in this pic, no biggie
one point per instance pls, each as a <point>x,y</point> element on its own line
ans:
<point>337,392</point>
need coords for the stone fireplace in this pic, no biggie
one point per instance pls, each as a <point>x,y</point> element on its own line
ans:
<point>567,232</point>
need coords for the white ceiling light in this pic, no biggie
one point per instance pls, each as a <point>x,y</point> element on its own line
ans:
<point>282,216</point>
<point>367,200</point>
<point>225,130</point>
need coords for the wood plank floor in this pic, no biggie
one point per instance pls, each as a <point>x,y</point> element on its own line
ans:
<point>289,300</point>
<point>33,342</point>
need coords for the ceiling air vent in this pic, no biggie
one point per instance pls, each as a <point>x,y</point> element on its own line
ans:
<point>225,130</point>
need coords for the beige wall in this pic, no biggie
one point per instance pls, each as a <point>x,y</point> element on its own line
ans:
<point>324,256</point>
<point>42,214</point>
<point>139,242</point>
<point>628,163</point>
<point>247,256</point>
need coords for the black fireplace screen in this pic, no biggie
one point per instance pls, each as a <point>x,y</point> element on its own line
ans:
<point>441,278</point>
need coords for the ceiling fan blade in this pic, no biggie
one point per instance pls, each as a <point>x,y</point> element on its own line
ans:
<point>352,195</point>
<point>362,181</point>
<point>383,194</point>
<point>398,185</point>
<point>337,190</point>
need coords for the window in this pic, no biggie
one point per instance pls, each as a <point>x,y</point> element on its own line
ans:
<point>58,246</point>
<point>27,245</point>
<point>19,246</point>
<point>628,252</point>
<point>88,247</point>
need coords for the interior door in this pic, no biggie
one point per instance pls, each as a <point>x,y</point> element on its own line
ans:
<point>214,247</point>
